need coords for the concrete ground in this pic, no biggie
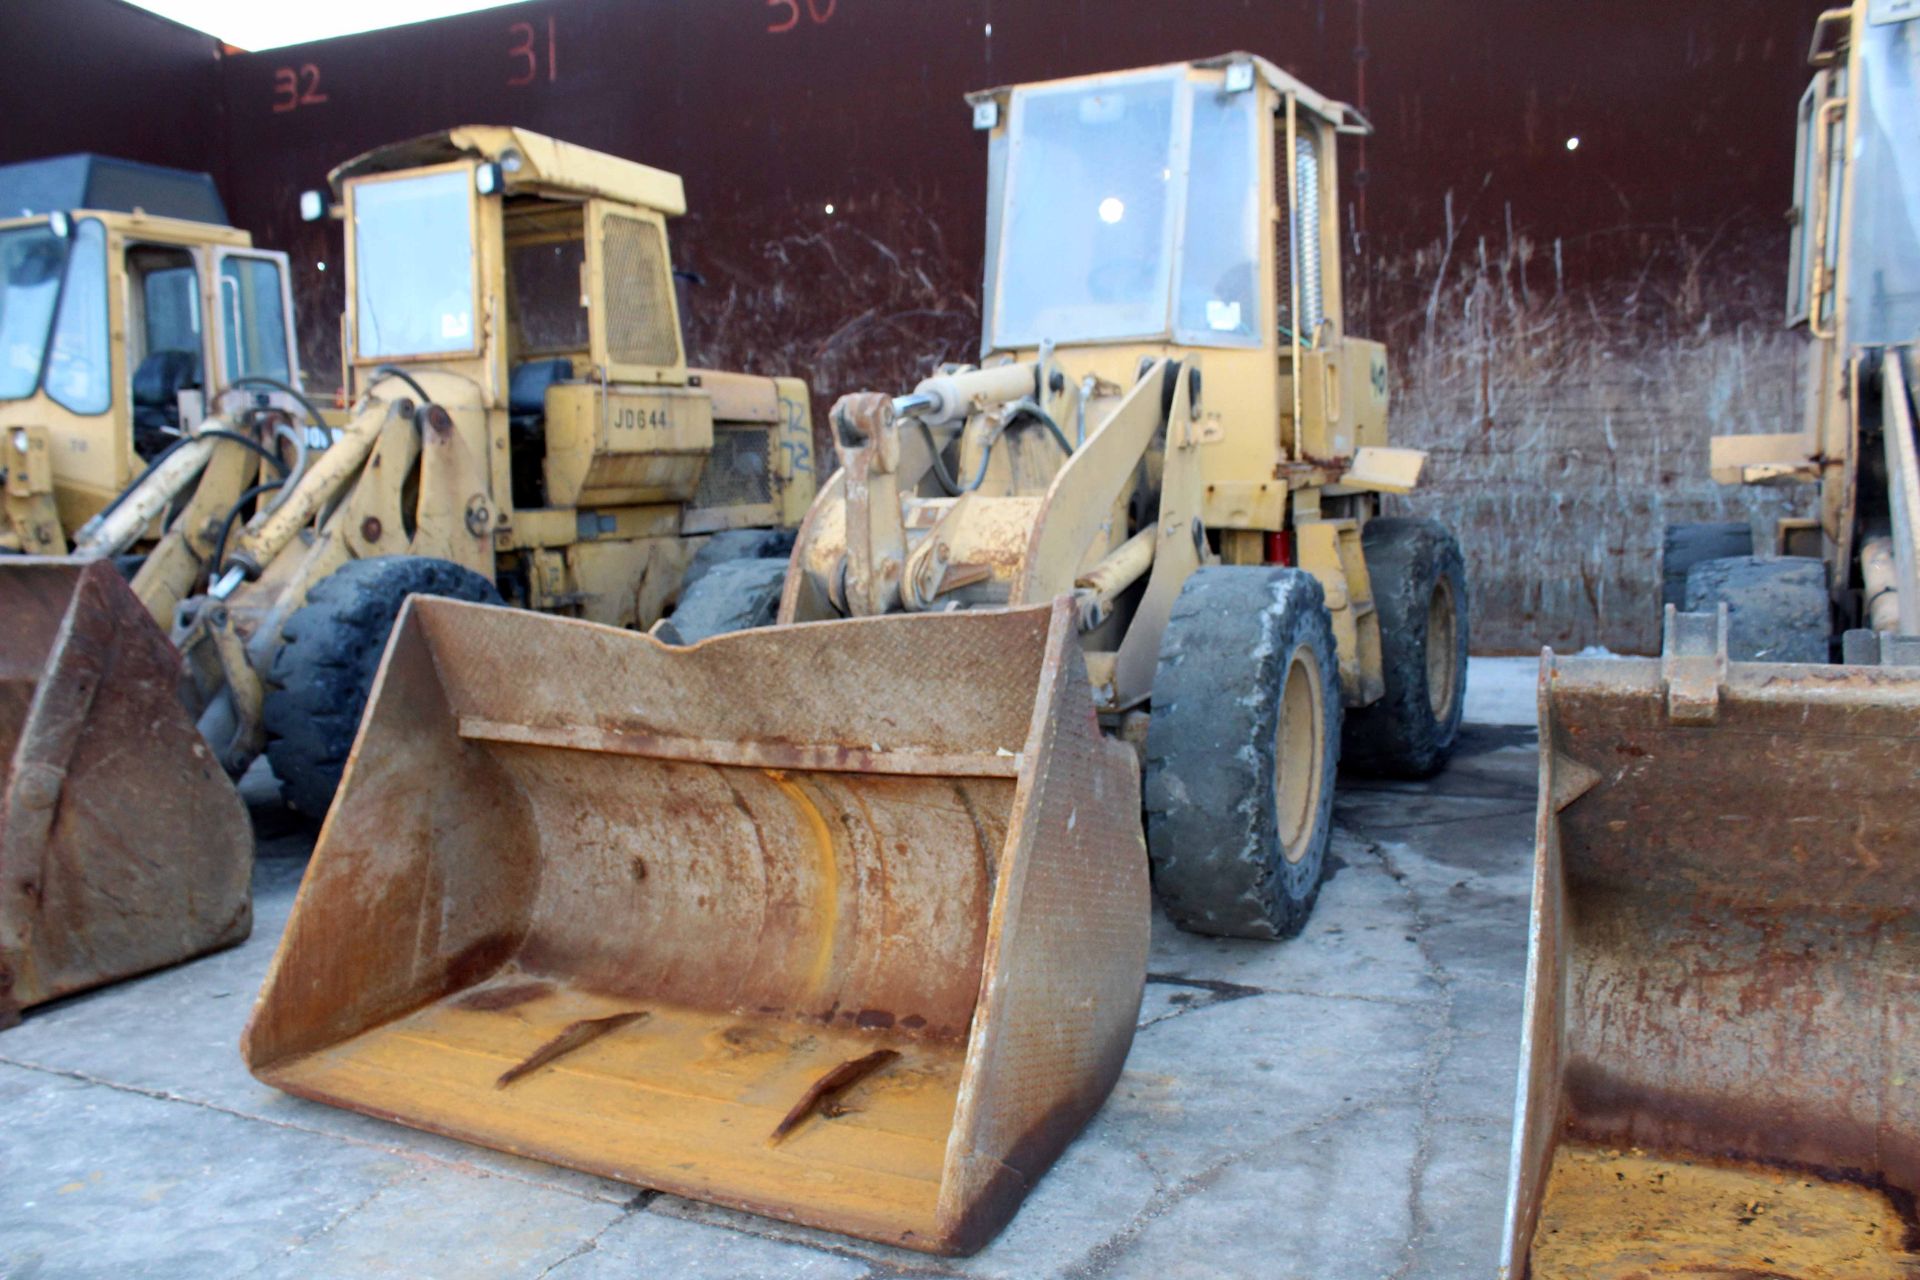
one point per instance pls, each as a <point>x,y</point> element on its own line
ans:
<point>1334,1107</point>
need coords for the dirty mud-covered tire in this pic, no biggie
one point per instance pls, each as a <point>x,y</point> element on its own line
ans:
<point>1420,592</point>
<point>1686,545</point>
<point>1242,748</point>
<point>736,544</point>
<point>1777,606</point>
<point>735,596</point>
<point>330,649</point>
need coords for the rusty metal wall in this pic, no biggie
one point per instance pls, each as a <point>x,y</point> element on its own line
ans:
<point>95,75</point>
<point>1664,222</point>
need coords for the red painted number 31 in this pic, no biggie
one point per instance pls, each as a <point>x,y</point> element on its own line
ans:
<point>818,10</point>
<point>527,55</point>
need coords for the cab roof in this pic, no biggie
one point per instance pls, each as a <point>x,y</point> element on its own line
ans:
<point>1339,114</point>
<point>108,184</point>
<point>531,163</point>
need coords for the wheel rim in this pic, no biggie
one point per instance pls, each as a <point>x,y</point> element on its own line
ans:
<point>1300,760</point>
<point>1443,656</point>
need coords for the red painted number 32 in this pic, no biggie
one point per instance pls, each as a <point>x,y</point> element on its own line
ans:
<point>293,89</point>
<point>818,10</point>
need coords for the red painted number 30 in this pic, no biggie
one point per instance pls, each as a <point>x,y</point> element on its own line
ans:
<point>526,55</point>
<point>818,10</point>
<point>297,88</point>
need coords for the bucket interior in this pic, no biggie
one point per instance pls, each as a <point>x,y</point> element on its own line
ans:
<point>132,843</point>
<point>723,910</point>
<point>1727,1002</point>
<point>34,597</point>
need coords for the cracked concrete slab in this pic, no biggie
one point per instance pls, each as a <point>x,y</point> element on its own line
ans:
<point>1335,1105</point>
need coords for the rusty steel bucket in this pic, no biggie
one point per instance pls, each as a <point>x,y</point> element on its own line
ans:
<point>1720,1073</point>
<point>123,845</point>
<point>843,923</point>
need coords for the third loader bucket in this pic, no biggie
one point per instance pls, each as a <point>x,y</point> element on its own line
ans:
<point>1721,1068</point>
<point>123,845</point>
<point>843,923</point>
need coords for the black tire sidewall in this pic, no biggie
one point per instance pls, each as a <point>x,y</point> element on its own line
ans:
<point>736,595</point>
<point>323,672</point>
<point>1683,546</point>
<point>1399,735</point>
<point>1778,609</point>
<point>1212,752</point>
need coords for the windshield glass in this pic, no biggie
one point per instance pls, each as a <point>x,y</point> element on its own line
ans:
<point>413,265</point>
<point>1220,256</point>
<point>79,370</point>
<point>1087,229</point>
<point>31,259</point>
<point>1883,303</point>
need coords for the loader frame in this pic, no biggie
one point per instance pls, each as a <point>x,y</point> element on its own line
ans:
<point>1856,439</point>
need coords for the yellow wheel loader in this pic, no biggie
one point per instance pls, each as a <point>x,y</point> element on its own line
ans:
<point>1720,1072</point>
<point>148,379</point>
<point>1833,587</point>
<point>129,315</point>
<point>845,920</point>
<point>525,428</point>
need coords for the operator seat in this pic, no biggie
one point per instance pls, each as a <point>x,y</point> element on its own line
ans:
<point>526,421</point>
<point>157,385</point>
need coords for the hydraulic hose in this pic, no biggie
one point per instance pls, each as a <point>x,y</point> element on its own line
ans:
<point>226,526</point>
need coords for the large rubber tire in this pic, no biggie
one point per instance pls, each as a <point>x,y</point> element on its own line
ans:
<point>736,544</point>
<point>330,649</point>
<point>1686,545</point>
<point>1777,606</point>
<point>1242,748</point>
<point>1420,593</point>
<point>734,596</point>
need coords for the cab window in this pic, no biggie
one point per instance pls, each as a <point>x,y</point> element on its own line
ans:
<point>79,370</point>
<point>253,319</point>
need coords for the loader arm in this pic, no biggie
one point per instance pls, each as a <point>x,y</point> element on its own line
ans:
<point>171,570</point>
<point>1079,503</point>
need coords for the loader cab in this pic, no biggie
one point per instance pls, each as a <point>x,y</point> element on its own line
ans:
<point>523,285</point>
<point>1854,272</point>
<point>517,270</point>
<point>118,330</point>
<point>1187,210</point>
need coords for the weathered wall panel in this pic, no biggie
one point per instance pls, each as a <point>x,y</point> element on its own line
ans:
<point>93,75</point>
<point>1647,259</point>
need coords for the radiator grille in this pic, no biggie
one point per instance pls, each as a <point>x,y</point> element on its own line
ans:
<point>736,473</point>
<point>640,328</point>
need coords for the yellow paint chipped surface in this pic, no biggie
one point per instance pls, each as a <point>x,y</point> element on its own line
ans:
<point>1610,1215</point>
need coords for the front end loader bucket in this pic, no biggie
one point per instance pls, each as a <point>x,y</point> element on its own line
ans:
<point>1720,1073</point>
<point>843,923</point>
<point>123,845</point>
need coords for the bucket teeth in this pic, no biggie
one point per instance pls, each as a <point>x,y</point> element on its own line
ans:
<point>823,1094</point>
<point>577,1035</point>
